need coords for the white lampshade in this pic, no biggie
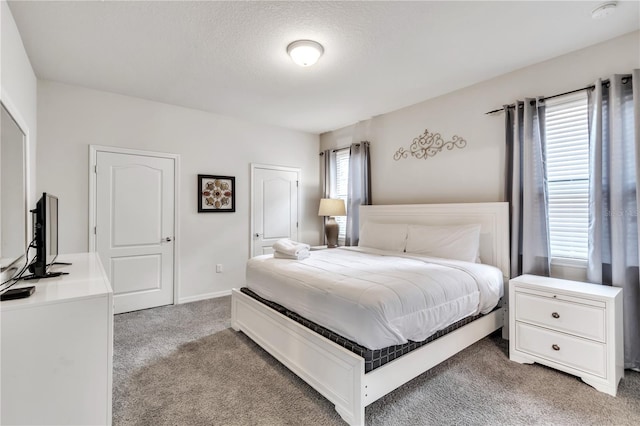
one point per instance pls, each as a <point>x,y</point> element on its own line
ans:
<point>305,52</point>
<point>331,207</point>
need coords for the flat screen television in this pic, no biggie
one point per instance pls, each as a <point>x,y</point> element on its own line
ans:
<point>45,237</point>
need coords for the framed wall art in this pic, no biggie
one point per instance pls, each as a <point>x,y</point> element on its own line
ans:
<point>216,194</point>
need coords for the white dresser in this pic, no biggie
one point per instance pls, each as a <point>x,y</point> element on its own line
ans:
<point>57,348</point>
<point>571,326</point>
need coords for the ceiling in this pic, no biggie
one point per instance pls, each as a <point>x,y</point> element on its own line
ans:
<point>230,57</point>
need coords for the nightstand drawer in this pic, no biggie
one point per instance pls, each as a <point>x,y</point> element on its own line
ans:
<point>574,318</point>
<point>571,351</point>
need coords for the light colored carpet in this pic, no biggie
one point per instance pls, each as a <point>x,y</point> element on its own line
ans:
<point>182,365</point>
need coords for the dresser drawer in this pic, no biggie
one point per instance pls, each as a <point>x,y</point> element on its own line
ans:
<point>573,318</point>
<point>574,352</point>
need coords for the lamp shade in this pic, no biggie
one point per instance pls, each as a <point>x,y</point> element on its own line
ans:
<point>331,207</point>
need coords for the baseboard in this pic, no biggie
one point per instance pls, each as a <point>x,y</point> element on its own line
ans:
<point>204,296</point>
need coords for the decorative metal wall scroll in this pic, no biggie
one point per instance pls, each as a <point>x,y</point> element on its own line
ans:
<point>428,145</point>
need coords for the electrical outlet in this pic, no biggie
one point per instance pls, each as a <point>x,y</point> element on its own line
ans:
<point>219,268</point>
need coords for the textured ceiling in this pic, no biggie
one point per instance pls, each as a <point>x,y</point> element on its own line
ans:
<point>230,57</point>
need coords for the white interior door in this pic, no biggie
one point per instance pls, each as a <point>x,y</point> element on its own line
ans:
<point>274,206</point>
<point>135,196</point>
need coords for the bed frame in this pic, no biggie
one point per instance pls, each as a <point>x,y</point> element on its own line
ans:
<point>337,373</point>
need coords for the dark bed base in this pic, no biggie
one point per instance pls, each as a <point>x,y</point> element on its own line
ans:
<point>373,358</point>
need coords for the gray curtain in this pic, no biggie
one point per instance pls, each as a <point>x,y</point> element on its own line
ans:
<point>327,166</point>
<point>614,143</point>
<point>359,192</point>
<point>526,187</point>
<point>328,163</point>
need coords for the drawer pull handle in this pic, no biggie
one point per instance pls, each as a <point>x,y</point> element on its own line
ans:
<point>555,315</point>
<point>555,347</point>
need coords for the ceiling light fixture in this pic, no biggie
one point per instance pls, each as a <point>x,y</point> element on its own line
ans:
<point>604,10</point>
<point>305,52</point>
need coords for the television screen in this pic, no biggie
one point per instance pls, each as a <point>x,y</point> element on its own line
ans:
<point>45,235</point>
<point>51,228</point>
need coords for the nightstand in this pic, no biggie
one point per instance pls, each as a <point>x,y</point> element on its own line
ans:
<point>571,326</point>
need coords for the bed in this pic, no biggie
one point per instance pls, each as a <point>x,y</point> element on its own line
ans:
<point>334,370</point>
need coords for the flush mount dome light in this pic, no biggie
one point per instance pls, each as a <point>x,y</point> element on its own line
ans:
<point>305,52</point>
<point>604,10</point>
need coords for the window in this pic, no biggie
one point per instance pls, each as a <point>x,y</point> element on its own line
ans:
<point>341,188</point>
<point>567,160</point>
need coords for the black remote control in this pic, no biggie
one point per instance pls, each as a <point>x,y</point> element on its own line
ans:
<point>18,293</point>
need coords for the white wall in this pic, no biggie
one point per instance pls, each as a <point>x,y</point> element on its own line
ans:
<point>475,173</point>
<point>19,84</point>
<point>70,118</point>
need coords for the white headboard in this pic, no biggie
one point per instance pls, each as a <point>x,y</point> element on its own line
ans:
<point>493,218</point>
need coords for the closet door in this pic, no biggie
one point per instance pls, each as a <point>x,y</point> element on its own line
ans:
<point>274,206</point>
<point>135,227</point>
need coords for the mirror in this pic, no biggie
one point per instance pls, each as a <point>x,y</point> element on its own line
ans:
<point>13,195</point>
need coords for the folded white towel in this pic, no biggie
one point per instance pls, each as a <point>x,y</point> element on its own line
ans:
<point>301,255</point>
<point>292,248</point>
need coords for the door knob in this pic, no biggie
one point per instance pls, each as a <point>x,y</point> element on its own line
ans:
<point>258,235</point>
<point>168,239</point>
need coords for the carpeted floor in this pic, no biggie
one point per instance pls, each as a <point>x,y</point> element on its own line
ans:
<point>183,365</point>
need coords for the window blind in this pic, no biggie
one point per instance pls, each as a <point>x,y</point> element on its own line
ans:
<point>342,188</point>
<point>567,161</point>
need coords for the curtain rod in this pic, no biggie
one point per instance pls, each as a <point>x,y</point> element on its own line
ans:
<point>338,149</point>
<point>604,83</point>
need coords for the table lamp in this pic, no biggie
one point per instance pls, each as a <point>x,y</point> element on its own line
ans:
<point>331,207</point>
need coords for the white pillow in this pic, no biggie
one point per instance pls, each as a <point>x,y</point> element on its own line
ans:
<point>459,242</point>
<point>383,236</point>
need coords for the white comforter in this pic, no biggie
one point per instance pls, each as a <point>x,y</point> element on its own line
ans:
<point>377,298</point>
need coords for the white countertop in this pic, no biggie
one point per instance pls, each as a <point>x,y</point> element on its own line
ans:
<point>86,279</point>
